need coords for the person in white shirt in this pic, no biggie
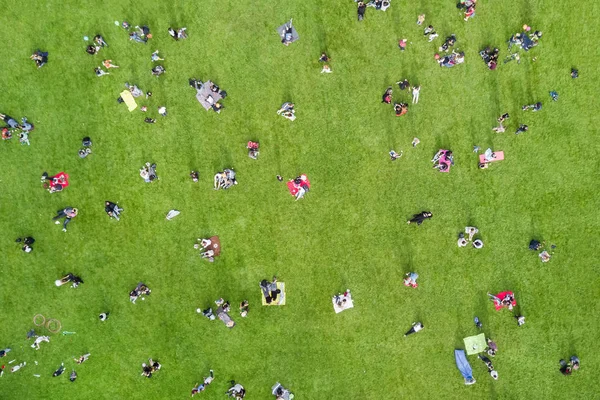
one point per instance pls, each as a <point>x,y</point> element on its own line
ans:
<point>471,231</point>
<point>38,340</point>
<point>478,244</point>
<point>416,327</point>
<point>415,93</point>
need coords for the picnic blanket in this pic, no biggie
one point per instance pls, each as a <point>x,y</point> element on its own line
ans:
<point>280,298</point>
<point>215,245</point>
<point>463,366</point>
<point>207,97</point>
<point>475,344</point>
<point>349,303</point>
<point>129,100</point>
<point>223,316</point>
<point>444,160</point>
<point>293,188</point>
<point>501,296</point>
<point>281,32</point>
<point>498,156</point>
<point>58,177</point>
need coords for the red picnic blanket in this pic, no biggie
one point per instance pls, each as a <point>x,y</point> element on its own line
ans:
<point>294,188</point>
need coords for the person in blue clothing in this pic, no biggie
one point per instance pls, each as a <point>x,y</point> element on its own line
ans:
<point>201,387</point>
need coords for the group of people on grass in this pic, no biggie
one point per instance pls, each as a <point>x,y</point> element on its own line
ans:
<point>223,180</point>
<point>22,130</point>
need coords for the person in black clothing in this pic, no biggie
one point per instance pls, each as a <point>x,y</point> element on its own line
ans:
<point>60,370</point>
<point>324,57</point>
<point>522,128</point>
<point>27,242</point>
<point>361,10</point>
<point>565,367</point>
<point>112,210</point>
<point>40,58</point>
<point>420,217</point>
<point>535,245</point>
<point>387,96</point>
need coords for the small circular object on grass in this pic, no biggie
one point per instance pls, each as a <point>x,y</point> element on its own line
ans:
<point>36,320</point>
<point>53,325</point>
<point>198,310</point>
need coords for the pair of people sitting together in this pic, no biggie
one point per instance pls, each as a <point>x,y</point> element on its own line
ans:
<point>40,58</point>
<point>55,183</point>
<point>503,299</point>
<point>253,149</point>
<point>536,245</point>
<point>270,290</point>
<point>69,278</point>
<point>442,160</point>
<point>471,231</point>
<point>140,290</point>
<point>411,279</point>
<point>225,179</point>
<point>236,391</point>
<point>490,57</point>
<point>112,210</point>
<point>148,172</point>
<point>207,247</point>
<point>287,111</point>
<point>150,368</point>
<point>451,60</point>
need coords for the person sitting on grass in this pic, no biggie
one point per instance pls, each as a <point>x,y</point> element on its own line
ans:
<point>40,58</point>
<point>492,348</point>
<point>27,242</point>
<point>140,290</point>
<point>490,57</point>
<point>287,111</point>
<point>566,368</point>
<point>236,391</point>
<point>270,290</point>
<point>112,209</point>
<point>73,376</point>
<point>147,370</point>
<point>387,96</point>
<point>411,279</point>
<point>75,280</point>
<point>244,308</point>
<point>253,149</point>
<point>449,42</point>
<point>195,176</point>
<point>91,49</point>
<point>148,172</point>
<point>400,109</point>
<point>324,57</point>
<point>420,217</point>
<point>158,70</point>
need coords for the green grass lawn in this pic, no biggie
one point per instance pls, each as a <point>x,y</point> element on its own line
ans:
<point>349,231</point>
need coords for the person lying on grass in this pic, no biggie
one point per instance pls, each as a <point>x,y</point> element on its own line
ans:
<point>420,217</point>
